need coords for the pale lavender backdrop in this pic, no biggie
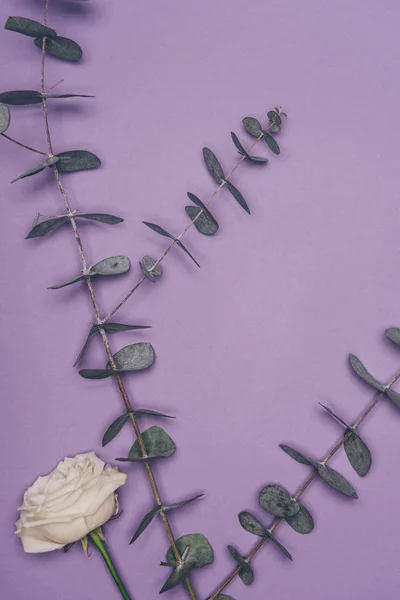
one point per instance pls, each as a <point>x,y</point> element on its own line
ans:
<point>246,345</point>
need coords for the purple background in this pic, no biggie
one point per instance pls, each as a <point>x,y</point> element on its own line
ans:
<point>246,345</point>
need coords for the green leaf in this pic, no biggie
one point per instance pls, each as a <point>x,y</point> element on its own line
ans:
<point>176,577</point>
<point>362,372</point>
<point>278,544</point>
<point>357,452</point>
<point>271,143</point>
<point>108,328</point>
<point>28,27</point>
<point>200,552</point>
<point>4,118</point>
<point>237,195</point>
<point>148,268</point>
<point>77,160</point>
<point>46,227</point>
<point>21,97</point>
<point>66,96</point>
<point>213,166</point>
<point>58,286</point>
<point>48,162</point>
<point>165,233</point>
<point>61,47</point>
<point>243,151</point>
<point>394,397</point>
<point>203,221</point>
<point>97,373</point>
<point>145,522</point>
<point>274,117</point>
<point>114,429</point>
<point>152,413</point>
<point>333,414</point>
<point>113,265</point>
<point>277,501</point>
<point>393,333</point>
<point>251,524</point>
<point>336,481</point>
<point>182,503</point>
<point>246,572</point>
<point>302,521</point>
<point>135,357</point>
<point>252,126</point>
<point>157,442</point>
<point>101,218</point>
<point>297,456</point>
<point>212,223</point>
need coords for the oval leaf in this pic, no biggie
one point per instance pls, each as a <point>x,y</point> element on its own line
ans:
<point>362,372</point>
<point>114,429</point>
<point>113,265</point>
<point>61,47</point>
<point>182,503</point>
<point>165,233</point>
<point>271,143</point>
<point>274,117</point>
<point>302,522</point>
<point>246,572</point>
<point>58,286</point>
<point>200,552</point>
<point>48,162</point>
<point>394,397</point>
<point>4,118</point>
<point>243,151</point>
<point>46,227</point>
<point>134,357</point>
<point>297,456</point>
<point>393,333</point>
<point>358,453</point>
<point>251,524</point>
<point>176,577</point>
<point>28,27</point>
<point>277,501</point>
<point>97,373</point>
<point>213,166</point>
<point>157,442</point>
<point>148,268</point>
<point>252,126</point>
<point>101,218</point>
<point>280,546</point>
<point>203,221</point>
<point>21,97</point>
<point>237,195</point>
<point>77,160</point>
<point>336,481</point>
<point>147,519</point>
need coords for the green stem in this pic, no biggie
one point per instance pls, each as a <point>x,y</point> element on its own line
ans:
<point>102,548</point>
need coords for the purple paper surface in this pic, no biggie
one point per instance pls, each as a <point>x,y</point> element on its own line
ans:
<point>247,345</point>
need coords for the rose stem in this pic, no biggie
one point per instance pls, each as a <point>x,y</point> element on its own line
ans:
<point>106,344</point>
<point>102,548</point>
<point>188,226</point>
<point>304,487</point>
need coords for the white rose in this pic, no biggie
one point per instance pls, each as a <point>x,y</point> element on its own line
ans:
<point>64,506</point>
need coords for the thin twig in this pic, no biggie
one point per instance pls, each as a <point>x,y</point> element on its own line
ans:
<point>178,238</point>
<point>24,145</point>
<point>104,338</point>
<point>304,487</point>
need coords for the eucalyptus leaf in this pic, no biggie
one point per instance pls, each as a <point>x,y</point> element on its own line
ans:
<point>251,524</point>
<point>157,442</point>
<point>362,372</point>
<point>4,118</point>
<point>212,224</point>
<point>203,221</point>
<point>182,503</point>
<point>274,117</point>
<point>97,373</point>
<point>333,414</point>
<point>213,166</point>
<point>165,233</point>
<point>393,333</point>
<point>135,357</point>
<point>297,456</point>
<point>394,397</point>
<point>252,126</point>
<point>58,286</point>
<point>237,195</point>
<point>243,151</point>
<point>77,160</point>
<point>66,96</point>
<point>61,47</point>
<point>21,97</point>
<point>176,577</point>
<point>336,481</point>
<point>277,501</point>
<point>246,572</point>
<point>46,227</point>
<point>275,128</point>
<point>28,27</point>
<point>114,429</point>
<point>357,452</point>
<point>48,162</point>
<point>200,552</point>
<point>113,265</point>
<point>302,521</point>
<point>101,218</point>
<point>152,413</point>
<point>271,142</point>
<point>145,522</point>
<point>148,268</point>
<point>278,544</point>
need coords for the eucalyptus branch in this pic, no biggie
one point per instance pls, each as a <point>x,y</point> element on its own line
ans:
<point>186,228</point>
<point>349,432</point>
